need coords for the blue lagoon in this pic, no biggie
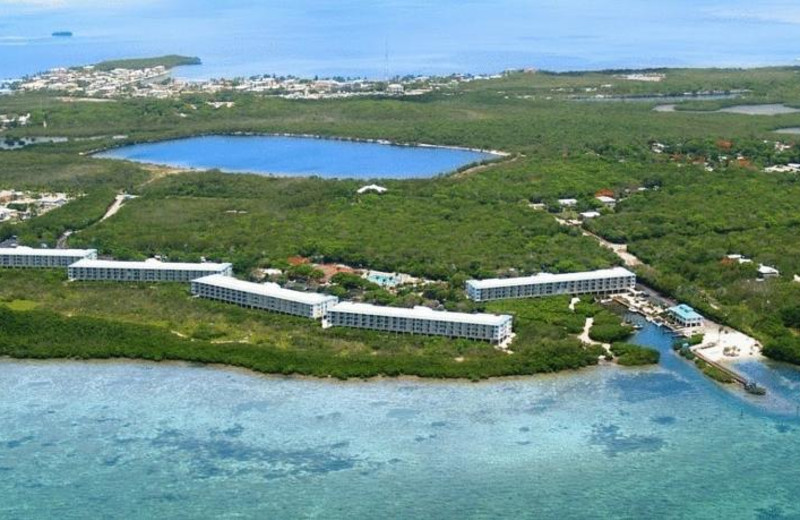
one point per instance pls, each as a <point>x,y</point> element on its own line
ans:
<point>301,156</point>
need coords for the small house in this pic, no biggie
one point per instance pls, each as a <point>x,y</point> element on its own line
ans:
<point>608,201</point>
<point>371,188</point>
<point>765,271</point>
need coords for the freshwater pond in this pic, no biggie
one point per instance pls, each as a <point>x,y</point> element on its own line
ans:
<point>300,156</point>
<point>134,440</point>
<point>750,110</point>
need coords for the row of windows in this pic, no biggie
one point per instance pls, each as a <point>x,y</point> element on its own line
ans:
<point>113,273</point>
<point>552,288</point>
<point>397,324</point>
<point>261,301</point>
<point>35,261</point>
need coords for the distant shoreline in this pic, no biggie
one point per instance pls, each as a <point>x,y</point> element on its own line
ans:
<point>540,376</point>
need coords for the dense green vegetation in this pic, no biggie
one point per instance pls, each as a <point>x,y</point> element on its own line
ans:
<point>43,334</point>
<point>169,61</point>
<point>476,223</point>
<point>629,354</point>
<point>713,372</point>
<point>607,328</point>
<point>162,321</point>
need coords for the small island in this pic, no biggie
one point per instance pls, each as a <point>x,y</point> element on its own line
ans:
<point>168,62</point>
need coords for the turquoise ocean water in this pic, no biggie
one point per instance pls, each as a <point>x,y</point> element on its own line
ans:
<point>127,440</point>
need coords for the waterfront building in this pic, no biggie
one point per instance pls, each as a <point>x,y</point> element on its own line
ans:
<point>151,270</point>
<point>421,320</point>
<point>603,281</point>
<point>267,296</point>
<point>43,258</point>
<point>685,316</point>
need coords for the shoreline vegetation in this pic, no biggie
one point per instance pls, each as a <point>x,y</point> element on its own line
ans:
<point>169,61</point>
<point>690,189</point>
<point>44,315</point>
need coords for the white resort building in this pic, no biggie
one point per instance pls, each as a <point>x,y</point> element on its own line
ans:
<point>151,270</point>
<point>604,281</point>
<point>421,320</point>
<point>43,258</point>
<point>268,296</point>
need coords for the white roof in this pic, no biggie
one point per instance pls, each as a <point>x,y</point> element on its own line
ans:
<point>614,272</point>
<point>267,289</point>
<point>371,187</point>
<point>420,313</point>
<point>590,214</point>
<point>151,264</point>
<point>567,202</point>
<point>765,269</point>
<point>607,200</point>
<point>29,251</point>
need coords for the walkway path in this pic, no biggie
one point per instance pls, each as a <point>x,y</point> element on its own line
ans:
<point>61,243</point>
<point>584,336</point>
<point>114,207</point>
<point>621,250</point>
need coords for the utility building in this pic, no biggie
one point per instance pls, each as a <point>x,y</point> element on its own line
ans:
<point>604,281</point>
<point>148,271</point>
<point>268,296</point>
<point>43,258</point>
<point>421,320</point>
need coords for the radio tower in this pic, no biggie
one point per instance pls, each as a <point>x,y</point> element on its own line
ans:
<point>386,59</point>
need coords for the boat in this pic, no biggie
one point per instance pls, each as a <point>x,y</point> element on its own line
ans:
<point>751,387</point>
<point>62,34</point>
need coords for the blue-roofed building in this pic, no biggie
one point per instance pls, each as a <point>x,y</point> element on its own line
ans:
<point>685,316</point>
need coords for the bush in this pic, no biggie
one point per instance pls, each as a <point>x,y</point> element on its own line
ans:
<point>786,349</point>
<point>607,328</point>
<point>609,333</point>
<point>713,372</point>
<point>629,354</point>
<point>696,339</point>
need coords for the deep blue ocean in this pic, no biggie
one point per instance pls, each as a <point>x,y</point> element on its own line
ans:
<point>397,37</point>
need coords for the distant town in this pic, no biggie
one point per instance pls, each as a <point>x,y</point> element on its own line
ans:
<point>156,82</point>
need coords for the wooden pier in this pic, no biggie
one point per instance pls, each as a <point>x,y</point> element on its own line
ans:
<point>739,378</point>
